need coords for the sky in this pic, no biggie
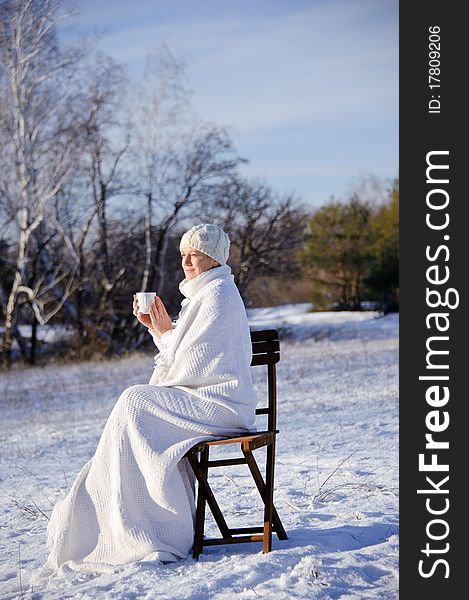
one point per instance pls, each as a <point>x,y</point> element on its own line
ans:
<point>307,89</point>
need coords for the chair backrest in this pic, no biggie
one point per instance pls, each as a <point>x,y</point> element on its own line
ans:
<point>266,351</point>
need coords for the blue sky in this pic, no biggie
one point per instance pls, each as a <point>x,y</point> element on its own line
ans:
<point>307,89</point>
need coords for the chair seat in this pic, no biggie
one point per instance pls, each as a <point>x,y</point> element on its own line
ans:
<point>253,439</point>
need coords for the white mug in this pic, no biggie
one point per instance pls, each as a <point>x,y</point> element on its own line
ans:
<point>144,300</point>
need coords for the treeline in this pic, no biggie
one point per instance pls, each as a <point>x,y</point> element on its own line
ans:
<point>352,252</point>
<point>100,175</point>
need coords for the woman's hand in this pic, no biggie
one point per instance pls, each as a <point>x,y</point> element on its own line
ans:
<point>143,319</point>
<point>160,320</point>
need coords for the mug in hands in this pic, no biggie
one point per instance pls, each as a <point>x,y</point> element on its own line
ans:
<point>144,300</point>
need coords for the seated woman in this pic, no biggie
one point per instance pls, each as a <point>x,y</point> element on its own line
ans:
<point>134,499</point>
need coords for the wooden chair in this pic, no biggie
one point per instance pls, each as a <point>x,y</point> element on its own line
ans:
<point>266,351</point>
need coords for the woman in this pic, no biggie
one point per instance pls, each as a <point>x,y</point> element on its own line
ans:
<point>134,500</point>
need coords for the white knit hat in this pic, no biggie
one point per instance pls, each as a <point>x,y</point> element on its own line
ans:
<point>209,239</point>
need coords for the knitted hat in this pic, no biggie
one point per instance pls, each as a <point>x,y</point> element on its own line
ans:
<point>209,239</point>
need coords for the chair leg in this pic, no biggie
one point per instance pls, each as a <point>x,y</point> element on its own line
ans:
<point>202,477</point>
<point>266,492</point>
<point>261,486</point>
<point>268,498</point>
<point>200,510</point>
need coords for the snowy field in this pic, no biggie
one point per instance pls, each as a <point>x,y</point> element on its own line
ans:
<point>336,487</point>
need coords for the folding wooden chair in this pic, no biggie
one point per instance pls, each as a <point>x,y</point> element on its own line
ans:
<point>266,351</point>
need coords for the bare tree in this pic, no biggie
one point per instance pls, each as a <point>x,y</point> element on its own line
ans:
<point>73,218</point>
<point>35,128</point>
<point>180,158</point>
<point>193,172</point>
<point>159,109</point>
<point>105,146</point>
<point>265,230</point>
<point>69,148</point>
<point>188,168</point>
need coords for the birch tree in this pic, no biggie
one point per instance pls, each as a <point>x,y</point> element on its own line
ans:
<point>159,108</point>
<point>180,158</point>
<point>36,123</point>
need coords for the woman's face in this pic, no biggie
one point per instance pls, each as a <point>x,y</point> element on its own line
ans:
<point>195,262</point>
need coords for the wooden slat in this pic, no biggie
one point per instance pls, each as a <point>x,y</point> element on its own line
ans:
<point>242,530</point>
<point>224,462</point>
<point>265,359</point>
<point>242,539</point>
<point>269,346</point>
<point>234,440</point>
<point>264,334</point>
<point>261,441</point>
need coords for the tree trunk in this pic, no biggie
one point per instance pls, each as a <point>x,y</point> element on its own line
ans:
<point>162,263</point>
<point>163,239</point>
<point>79,316</point>
<point>102,218</point>
<point>105,307</point>
<point>11,309</point>
<point>81,319</point>
<point>33,346</point>
<point>148,248</point>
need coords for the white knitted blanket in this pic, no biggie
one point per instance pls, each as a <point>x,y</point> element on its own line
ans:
<point>134,499</point>
<point>208,354</point>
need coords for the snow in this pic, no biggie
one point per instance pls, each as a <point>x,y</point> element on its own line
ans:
<point>48,333</point>
<point>295,321</point>
<point>336,480</point>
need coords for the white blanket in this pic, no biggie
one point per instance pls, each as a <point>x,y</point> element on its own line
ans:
<point>208,354</point>
<point>134,499</point>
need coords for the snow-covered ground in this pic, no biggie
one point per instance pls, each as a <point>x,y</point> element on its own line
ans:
<point>336,486</point>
